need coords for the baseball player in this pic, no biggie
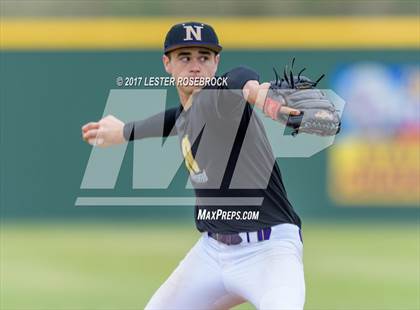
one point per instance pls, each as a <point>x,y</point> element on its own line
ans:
<point>251,246</point>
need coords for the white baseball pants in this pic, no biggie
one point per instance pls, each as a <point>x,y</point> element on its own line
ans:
<point>269,274</point>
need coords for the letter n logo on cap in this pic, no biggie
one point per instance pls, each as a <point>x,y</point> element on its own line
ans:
<point>190,32</point>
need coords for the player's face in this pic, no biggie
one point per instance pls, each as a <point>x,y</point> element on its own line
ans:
<point>191,62</point>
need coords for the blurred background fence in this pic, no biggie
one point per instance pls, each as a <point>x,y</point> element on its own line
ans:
<point>56,75</point>
<point>209,8</point>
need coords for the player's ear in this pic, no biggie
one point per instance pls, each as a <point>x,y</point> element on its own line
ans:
<point>216,62</point>
<point>217,59</point>
<point>166,59</point>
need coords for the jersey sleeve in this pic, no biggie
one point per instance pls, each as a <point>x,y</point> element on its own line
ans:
<point>158,125</point>
<point>237,77</point>
<point>231,101</point>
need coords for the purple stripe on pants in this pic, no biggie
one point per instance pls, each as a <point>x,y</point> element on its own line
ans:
<point>267,233</point>
<point>259,234</point>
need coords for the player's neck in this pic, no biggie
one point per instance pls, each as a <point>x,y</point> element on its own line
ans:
<point>185,99</point>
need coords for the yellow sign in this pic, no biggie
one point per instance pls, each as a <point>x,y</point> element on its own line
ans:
<point>366,172</point>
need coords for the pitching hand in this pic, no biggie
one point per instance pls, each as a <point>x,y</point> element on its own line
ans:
<point>108,131</point>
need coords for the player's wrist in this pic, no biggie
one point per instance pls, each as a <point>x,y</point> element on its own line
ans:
<point>272,107</point>
<point>128,131</point>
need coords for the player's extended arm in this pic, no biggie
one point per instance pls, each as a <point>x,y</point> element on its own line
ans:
<point>111,131</point>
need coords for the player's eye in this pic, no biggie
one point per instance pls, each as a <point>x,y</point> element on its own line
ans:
<point>204,58</point>
<point>185,59</point>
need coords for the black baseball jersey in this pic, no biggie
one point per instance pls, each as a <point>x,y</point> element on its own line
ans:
<point>230,160</point>
<point>227,154</point>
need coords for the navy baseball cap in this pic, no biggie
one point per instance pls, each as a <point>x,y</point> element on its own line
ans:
<point>191,34</point>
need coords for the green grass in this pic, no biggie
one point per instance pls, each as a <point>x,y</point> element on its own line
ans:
<point>119,266</point>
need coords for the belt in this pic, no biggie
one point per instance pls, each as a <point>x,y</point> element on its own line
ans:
<point>235,238</point>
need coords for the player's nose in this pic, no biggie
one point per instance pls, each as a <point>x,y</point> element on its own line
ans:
<point>194,71</point>
<point>195,67</point>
